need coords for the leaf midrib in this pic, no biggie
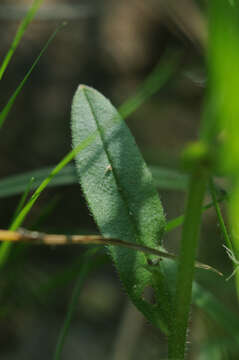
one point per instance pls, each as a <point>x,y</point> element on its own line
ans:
<point>116,179</point>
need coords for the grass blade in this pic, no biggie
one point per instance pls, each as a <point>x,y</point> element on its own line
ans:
<point>219,214</point>
<point>14,185</point>
<point>168,179</point>
<point>21,216</point>
<point>64,276</point>
<point>12,99</point>
<point>87,265</point>
<point>21,30</point>
<point>205,300</point>
<point>217,311</point>
<point>159,77</point>
<point>5,247</point>
<point>23,198</point>
<point>178,221</point>
<point>164,178</point>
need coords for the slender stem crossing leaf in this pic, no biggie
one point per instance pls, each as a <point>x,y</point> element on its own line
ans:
<point>164,178</point>
<point>51,175</point>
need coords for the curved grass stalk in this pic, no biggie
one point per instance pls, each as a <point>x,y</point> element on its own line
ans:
<point>219,215</point>
<point>5,248</point>
<point>20,32</point>
<point>86,267</point>
<point>12,99</point>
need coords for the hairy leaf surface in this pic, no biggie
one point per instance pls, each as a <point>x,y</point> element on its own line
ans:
<point>120,193</point>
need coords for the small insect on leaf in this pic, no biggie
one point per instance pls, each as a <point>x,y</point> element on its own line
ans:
<point>108,169</point>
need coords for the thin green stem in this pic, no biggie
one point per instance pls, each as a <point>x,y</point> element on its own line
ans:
<point>157,78</point>
<point>21,216</point>
<point>5,247</point>
<point>190,234</point>
<point>176,222</point>
<point>126,109</point>
<point>230,251</point>
<point>219,215</point>
<point>12,99</point>
<point>20,31</point>
<point>23,198</point>
<point>84,271</point>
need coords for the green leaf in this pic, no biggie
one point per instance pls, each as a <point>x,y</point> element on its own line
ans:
<point>164,178</point>
<point>151,85</point>
<point>16,184</point>
<point>217,311</point>
<point>120,193</point>
<point>219,347</point>
<point>168,179</point>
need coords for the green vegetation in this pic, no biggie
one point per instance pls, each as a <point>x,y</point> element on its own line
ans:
<point>122,191</point>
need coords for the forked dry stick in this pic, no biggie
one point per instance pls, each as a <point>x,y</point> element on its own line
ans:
<point>36,237</point>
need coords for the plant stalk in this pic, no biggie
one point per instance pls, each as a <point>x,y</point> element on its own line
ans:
<point>190,234</point>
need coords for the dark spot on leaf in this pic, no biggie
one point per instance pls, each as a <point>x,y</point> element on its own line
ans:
<point>148,295</point>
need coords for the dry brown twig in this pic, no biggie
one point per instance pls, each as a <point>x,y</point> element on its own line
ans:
<point>35,237</point>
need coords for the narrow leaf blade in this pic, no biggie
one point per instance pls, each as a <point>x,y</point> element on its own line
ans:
<point>119,190</point>
<point>164,178</point>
